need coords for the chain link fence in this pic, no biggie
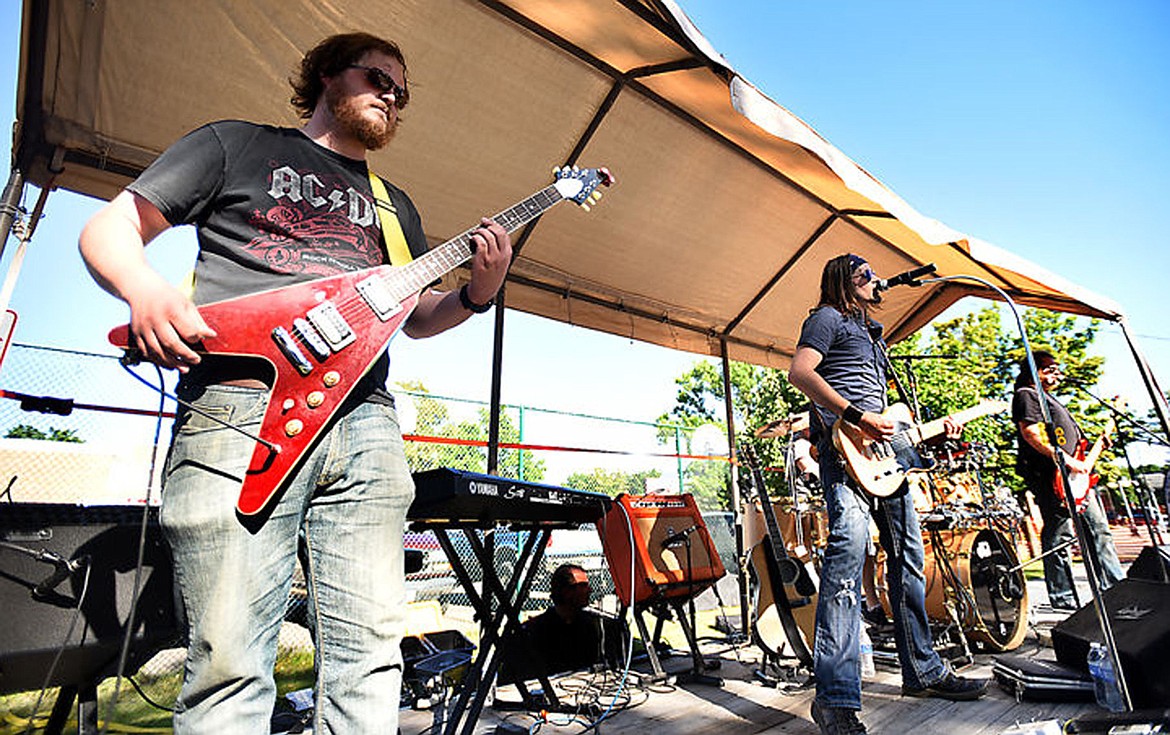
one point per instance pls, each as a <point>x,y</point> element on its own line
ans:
<point>79,428</point>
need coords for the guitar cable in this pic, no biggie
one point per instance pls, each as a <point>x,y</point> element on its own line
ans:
<point>136,589</point>
<point>162,391</point>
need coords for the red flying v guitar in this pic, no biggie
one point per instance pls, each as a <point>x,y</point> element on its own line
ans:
<point>322,336</point>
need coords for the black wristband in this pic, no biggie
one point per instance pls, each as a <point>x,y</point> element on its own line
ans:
<point>473,307</point>
<point>852,415</point>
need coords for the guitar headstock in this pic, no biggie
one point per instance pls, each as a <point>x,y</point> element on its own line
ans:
<point>579,185</point>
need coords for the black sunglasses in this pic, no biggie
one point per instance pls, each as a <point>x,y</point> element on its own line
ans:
<point>864,276</point>
<point>384,83</point>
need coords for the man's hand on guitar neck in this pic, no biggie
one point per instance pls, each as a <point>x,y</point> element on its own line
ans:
<point>1075,464</point>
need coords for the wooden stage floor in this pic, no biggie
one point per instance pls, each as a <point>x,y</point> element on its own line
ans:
<point>744,705</point>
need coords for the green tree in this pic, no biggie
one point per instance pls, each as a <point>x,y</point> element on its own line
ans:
<point>434,420</point>
<point>601,480</point>
<point>759,395</point>
<point>24,431</point>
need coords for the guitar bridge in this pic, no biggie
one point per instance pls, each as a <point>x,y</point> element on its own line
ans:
<point>288,347</point>
<point>331,325</point>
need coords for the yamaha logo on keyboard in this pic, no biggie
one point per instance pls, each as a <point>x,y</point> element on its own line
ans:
<point>482,488</point>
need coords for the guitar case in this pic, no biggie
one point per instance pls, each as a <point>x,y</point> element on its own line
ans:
<point>1041,680</point>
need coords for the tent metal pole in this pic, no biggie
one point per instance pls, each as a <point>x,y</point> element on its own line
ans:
<point>736,510</point>
<point>8,205</point>
<point>1156,394</point>
<point>493,448</point>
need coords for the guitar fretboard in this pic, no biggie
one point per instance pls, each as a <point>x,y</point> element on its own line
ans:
<point>415,276</point>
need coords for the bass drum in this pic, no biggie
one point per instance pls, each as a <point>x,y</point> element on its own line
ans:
<point>991,602</point>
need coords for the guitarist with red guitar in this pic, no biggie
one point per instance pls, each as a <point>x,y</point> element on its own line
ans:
<point>1036,465</point>
<point>285,217</point>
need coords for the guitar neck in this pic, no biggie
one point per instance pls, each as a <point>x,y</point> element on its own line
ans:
<point>413,277</point>
<point>1098,446</point>
<point>922,432</point>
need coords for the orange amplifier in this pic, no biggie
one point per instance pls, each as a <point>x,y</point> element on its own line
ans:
<point>663,527</point>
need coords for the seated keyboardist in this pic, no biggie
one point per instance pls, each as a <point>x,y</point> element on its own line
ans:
<point>566,636</point>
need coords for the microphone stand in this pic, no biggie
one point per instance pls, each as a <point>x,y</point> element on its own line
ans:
<point>1089,559</point>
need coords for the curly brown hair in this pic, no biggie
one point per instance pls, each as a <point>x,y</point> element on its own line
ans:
<point>332,56</point>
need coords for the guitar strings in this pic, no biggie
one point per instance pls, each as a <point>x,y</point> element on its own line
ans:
<point>434,263</point>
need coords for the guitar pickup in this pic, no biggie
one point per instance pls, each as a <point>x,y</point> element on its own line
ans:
<point>378,296</point>
<point>332,327</point>
<point>308,334</point>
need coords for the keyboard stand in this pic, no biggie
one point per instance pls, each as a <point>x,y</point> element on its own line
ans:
<point>498,612</point>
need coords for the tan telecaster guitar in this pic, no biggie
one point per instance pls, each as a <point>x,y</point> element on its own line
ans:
<point>322,336</point>
<point>880,466</point>
<point>1080,483</point>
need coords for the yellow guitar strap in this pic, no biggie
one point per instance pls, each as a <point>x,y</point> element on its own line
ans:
<point>396,246</point>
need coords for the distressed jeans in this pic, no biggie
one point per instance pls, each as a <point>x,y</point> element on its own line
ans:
<point>343,513</point>
<point>836,655</point>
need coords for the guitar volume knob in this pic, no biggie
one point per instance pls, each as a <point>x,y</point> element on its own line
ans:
<point>315,399</point>
<point>294,427</point>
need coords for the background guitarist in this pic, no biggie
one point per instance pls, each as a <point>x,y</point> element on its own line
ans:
<point>840,365</point>
<point>275,206</point>
<point>1036,465</point>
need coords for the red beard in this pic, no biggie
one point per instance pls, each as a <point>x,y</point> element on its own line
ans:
<point>350,116</point>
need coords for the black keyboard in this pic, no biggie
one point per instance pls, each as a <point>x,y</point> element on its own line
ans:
<point>459,498</point>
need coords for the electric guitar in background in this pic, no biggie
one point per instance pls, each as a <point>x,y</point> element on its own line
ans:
<point>322,336</point>
<point>880,466</point>
<point>1080,483</point>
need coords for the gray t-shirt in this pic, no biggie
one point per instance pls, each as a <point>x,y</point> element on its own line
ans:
<point>851,359</point>
<point>271,208</point>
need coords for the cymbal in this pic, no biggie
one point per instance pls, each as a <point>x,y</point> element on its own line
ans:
<point>793,424</point>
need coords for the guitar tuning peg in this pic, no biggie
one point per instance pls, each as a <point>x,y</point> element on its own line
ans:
<point>585,207</point>
<point>576,169</point>
<point>595,196</point>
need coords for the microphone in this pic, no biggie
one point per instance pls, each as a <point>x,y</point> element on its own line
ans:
<point>63,569</point>
<point>909,278</point>
<point>677,539</point>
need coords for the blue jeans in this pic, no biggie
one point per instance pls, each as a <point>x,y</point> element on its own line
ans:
<point>345,509</point>
<point>836,660</point>
<point>1058,529</point>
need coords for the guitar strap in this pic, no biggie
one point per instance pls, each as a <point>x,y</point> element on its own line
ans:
<point>880,346</point>
<point>396,247</point>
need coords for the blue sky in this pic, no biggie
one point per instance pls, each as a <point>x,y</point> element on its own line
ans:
<point>1039,126</point>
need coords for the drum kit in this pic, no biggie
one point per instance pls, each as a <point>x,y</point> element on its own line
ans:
<point>975,591</point>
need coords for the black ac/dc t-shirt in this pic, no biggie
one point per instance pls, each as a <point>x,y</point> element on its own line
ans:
<point>271,208</point>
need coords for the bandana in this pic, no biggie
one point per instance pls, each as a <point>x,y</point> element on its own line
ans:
<point>855,261</point>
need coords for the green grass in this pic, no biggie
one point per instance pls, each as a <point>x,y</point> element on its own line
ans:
<point>132,713</point>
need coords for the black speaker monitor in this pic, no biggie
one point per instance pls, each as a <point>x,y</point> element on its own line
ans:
<point>56,557</point>
<point>1139,615</point>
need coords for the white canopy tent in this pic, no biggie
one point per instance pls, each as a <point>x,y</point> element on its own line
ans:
<point>712,242</point>
<point>726,207</point>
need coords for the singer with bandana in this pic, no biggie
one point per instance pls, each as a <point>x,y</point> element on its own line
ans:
<point>840,364</point>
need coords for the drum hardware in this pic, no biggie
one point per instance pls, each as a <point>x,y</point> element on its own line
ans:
<point>966,568</point>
